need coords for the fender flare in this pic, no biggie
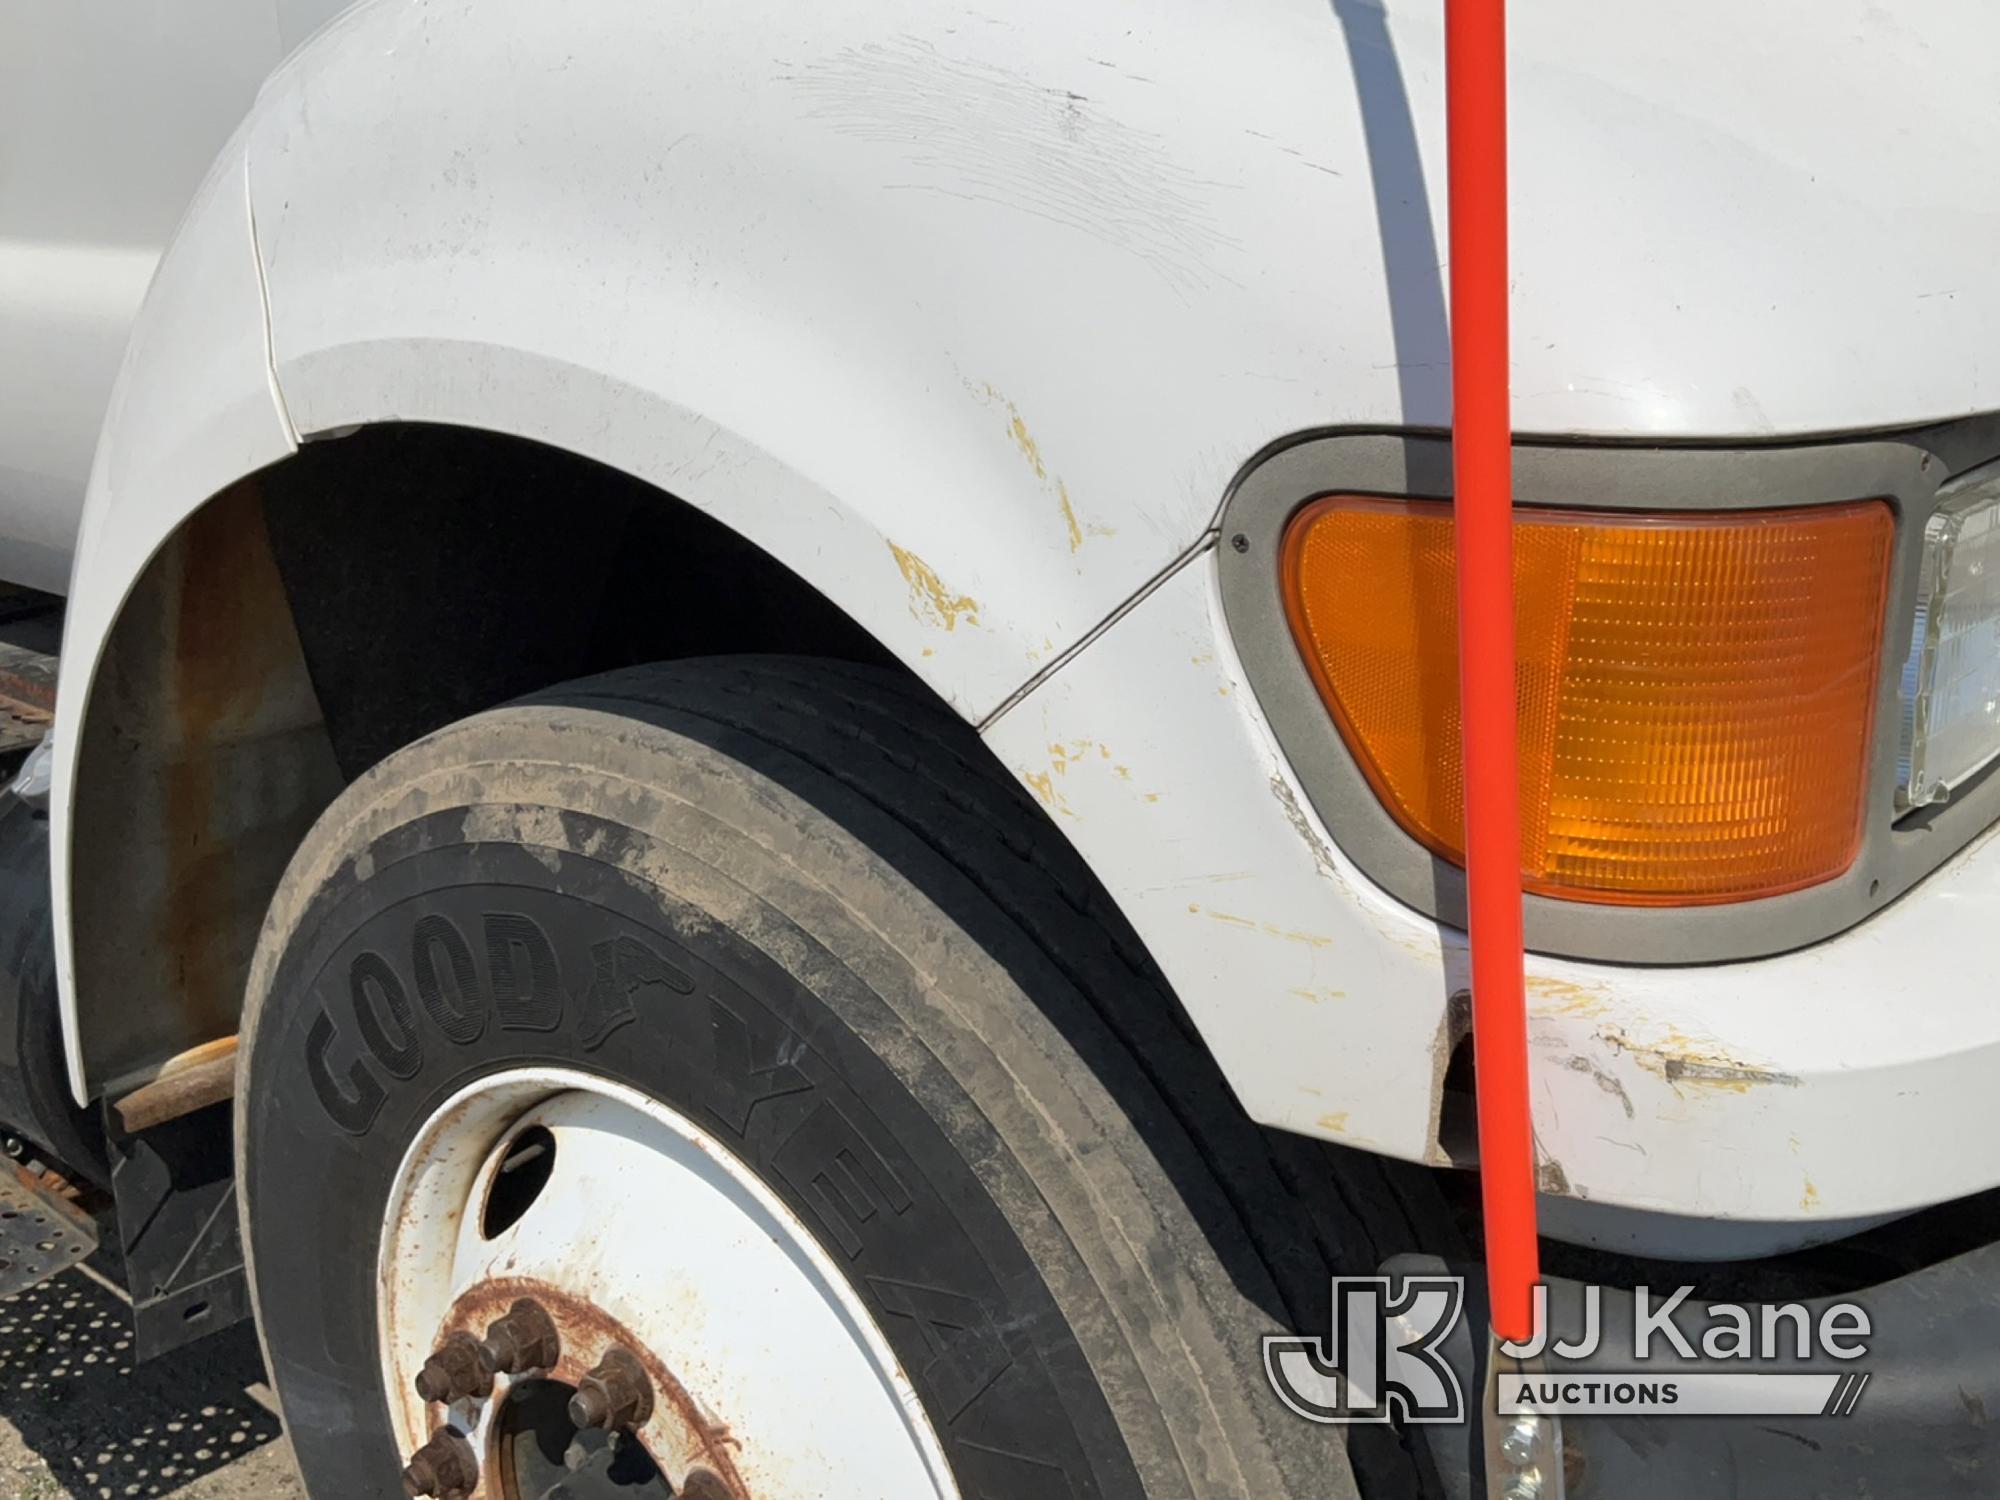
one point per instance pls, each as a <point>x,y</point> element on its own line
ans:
<point>367,250</point>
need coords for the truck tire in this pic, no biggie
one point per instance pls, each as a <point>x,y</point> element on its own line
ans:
<point>671,966</point>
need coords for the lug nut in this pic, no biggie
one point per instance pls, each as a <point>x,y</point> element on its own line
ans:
<point>444,1467</point>
<point>525,1339</point>
<point>463,1366</point>
<point>456,1371</point>
<point>614,1395</point>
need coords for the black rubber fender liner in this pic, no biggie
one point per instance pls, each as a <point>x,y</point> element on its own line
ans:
<point>34,1079</point>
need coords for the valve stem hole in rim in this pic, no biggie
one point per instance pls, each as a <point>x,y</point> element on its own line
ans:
<point>526,1166</point>
<point>545,1457</point>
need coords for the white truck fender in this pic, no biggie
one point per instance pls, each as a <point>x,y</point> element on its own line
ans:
<point>194,409</point>
<point>970,320</point>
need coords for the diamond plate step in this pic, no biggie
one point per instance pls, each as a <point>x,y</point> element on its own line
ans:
<point>41,1231</point>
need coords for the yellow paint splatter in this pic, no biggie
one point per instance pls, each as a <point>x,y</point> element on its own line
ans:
<point>1269,929</point>
<point>1031,450</point>
<point>1062,757</point>
<point>1809,1200</point>
<point>1333,1124</point>
<point>1025,441</point>
<point>1317,996</point>
<point>929,598</point>
<point>1043,784</point>
<point>1560,997</point>
<point>1684,1061</point>
<point>1069,516</point>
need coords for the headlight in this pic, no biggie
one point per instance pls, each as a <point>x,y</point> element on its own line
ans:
<point>1951,681</point>
<point>1696,688</point>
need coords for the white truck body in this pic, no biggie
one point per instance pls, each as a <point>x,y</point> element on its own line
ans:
<point>972,319</point>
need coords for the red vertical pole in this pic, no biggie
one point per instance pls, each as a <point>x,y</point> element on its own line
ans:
<point>1476,132</point>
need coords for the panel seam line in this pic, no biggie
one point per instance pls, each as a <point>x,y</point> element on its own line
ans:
<point>264,306</point>
<point>1145,591</point>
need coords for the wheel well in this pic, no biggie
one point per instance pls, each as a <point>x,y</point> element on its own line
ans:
<point>314,618</point>
<point>497,566</point>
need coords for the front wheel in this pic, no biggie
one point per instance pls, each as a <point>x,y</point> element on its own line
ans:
<point>716,1081</point>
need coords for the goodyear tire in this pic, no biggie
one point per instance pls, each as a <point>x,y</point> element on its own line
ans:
<point>792,908</point>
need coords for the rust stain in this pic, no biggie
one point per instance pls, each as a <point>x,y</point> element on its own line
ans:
<point>232,630</point>
<point>680,1428</point>
<point>930,600</point>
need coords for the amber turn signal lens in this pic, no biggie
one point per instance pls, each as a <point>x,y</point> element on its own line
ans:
<point>1696,689</point>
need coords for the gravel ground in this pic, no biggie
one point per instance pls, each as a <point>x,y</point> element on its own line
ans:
<point>78,1421</point>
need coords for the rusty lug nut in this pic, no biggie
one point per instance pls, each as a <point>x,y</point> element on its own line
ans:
<point>444,1467</point>
<point>525,1339</point>
<point>616,1394</point>
<point>457,1370</point>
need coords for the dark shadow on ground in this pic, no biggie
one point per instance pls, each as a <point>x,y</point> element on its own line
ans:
<point>107,1428</point>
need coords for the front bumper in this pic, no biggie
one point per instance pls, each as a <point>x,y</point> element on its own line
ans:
<point>1920,1426</point>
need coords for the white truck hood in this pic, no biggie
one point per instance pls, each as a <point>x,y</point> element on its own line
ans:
<point>1728,219</point>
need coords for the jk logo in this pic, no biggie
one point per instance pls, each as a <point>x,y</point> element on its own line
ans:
<point>1382,1358</point>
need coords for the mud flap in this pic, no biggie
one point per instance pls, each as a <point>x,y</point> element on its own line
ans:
<point>176,1212</point>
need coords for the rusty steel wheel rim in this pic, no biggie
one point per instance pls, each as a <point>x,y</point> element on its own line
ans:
<point>583,1294</point>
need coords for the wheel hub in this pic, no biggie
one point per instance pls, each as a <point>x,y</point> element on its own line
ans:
<point>645,1319</point>
<point>543,1455</point>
